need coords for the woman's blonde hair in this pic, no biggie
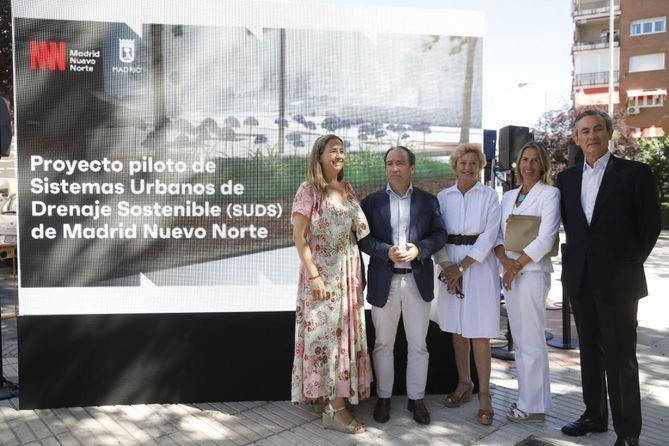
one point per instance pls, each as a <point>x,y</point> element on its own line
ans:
<point>314,169</point>
<point>544,159</point>
<point>465,148</point>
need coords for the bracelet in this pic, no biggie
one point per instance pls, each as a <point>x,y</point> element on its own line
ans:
<point>315,277</point>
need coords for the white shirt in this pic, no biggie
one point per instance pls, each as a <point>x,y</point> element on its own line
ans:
<point>400,213</point>
<point>592,179</point>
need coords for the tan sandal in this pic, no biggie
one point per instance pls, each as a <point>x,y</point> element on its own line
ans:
<point>452,400</point>
<point>519,416</point>
<point>330,422</point>
<point>485,416</point>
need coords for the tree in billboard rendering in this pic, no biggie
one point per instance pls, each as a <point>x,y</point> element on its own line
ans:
<point>460,44</point>
<point>229,136</point>
<point>424,128</point>
<point>331,123</point>
<point>281,122</point>
<point>295,137</point>
<point>231,121</point>
<point>251,123</point>
<point>470,44</point>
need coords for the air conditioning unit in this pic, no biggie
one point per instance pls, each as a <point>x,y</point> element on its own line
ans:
<point>633,110</point>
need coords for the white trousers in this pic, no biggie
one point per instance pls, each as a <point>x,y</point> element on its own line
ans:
<point>403,298</point>
<point>526,307</point>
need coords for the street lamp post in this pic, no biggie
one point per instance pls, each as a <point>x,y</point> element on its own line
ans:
<point>611,54</point>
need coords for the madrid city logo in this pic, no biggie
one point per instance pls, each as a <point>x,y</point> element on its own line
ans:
<point>126,50</point>
<point>127,55</point>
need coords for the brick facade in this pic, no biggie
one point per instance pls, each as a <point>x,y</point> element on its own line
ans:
<point>633,10</point>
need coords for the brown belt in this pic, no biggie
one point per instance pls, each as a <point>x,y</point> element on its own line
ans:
<point>457,239</point>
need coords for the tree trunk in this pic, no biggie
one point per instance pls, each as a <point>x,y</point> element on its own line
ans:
<point>157,79</point>
<point>465,124</point>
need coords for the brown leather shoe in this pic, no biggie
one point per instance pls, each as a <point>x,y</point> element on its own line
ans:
<point>420,413</point>
<point>382,410</point>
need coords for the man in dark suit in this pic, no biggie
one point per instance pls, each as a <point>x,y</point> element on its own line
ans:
<point>611,218</point>
<point>406,229</point>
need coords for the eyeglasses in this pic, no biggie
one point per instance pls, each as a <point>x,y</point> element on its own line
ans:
<point>457,293</point>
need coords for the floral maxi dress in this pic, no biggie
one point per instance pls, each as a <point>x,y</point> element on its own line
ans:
<point>331,358</point>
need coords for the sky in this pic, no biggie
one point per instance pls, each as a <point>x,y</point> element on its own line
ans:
<point>525,41</point>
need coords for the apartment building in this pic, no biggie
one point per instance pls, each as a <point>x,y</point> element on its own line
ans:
<point>590,52</point>
<point>644,80</point>
<point>641,50</point>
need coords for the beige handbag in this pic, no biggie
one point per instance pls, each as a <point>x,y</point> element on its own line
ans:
<point>521,230</point>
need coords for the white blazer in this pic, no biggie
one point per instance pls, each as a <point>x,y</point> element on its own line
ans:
<point>542,201</point>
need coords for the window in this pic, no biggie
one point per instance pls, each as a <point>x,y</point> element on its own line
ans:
<point>646,101</point>
<point>648,26</point>
<point>659,26</point>
<point>646,62</point>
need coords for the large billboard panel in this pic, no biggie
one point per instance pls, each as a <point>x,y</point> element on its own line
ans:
<point>160,143</point>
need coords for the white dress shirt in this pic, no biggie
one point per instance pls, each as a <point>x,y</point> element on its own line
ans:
<point>400,210</point>
<point>592,179</point>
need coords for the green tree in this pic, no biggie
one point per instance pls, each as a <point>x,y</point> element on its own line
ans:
<point>655,153</point>
<point>554,129</point>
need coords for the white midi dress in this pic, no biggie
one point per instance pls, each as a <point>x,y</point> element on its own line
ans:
<point>476,212</point>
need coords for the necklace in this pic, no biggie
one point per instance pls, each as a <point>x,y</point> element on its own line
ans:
<point>521,197</point>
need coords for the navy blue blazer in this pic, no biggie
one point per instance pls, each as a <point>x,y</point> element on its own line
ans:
<point>625,225</point>
<point>426,231</point>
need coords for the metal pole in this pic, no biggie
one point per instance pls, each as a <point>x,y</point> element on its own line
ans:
<point>282,86</point>
<point>565,342</point>
<point>611,54</point>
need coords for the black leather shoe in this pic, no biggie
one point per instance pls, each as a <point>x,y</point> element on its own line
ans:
<point>382,410</point>
<point>627,441</point>
<point>582,426</point>
<point>420,413</point>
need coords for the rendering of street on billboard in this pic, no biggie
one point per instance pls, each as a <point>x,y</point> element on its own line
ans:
<point>159,149</point>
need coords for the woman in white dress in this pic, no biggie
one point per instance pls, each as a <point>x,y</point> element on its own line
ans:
<point>526,279</point>
<point>469,295</point>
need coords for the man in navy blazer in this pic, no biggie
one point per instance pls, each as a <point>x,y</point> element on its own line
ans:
<point>406,229</point>
<point>611,217</point>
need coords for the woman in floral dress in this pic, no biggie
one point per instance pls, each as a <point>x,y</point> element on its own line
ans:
<point>331,361</point>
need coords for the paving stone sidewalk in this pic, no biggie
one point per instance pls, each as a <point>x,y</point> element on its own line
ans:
<point>281,423</point>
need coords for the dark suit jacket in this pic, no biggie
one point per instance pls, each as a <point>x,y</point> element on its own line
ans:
<point>625,225</point>
<point>426,230</point>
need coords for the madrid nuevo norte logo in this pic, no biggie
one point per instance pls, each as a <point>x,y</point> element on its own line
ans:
<point>55,56</point>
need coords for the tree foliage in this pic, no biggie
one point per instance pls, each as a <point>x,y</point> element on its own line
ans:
<point>554,129</point>
<point>655,153</point>
<point>6,73</point>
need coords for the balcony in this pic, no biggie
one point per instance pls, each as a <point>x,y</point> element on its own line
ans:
<point>586,9</point>
<point>589,46</point>
<point>590,79</point>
